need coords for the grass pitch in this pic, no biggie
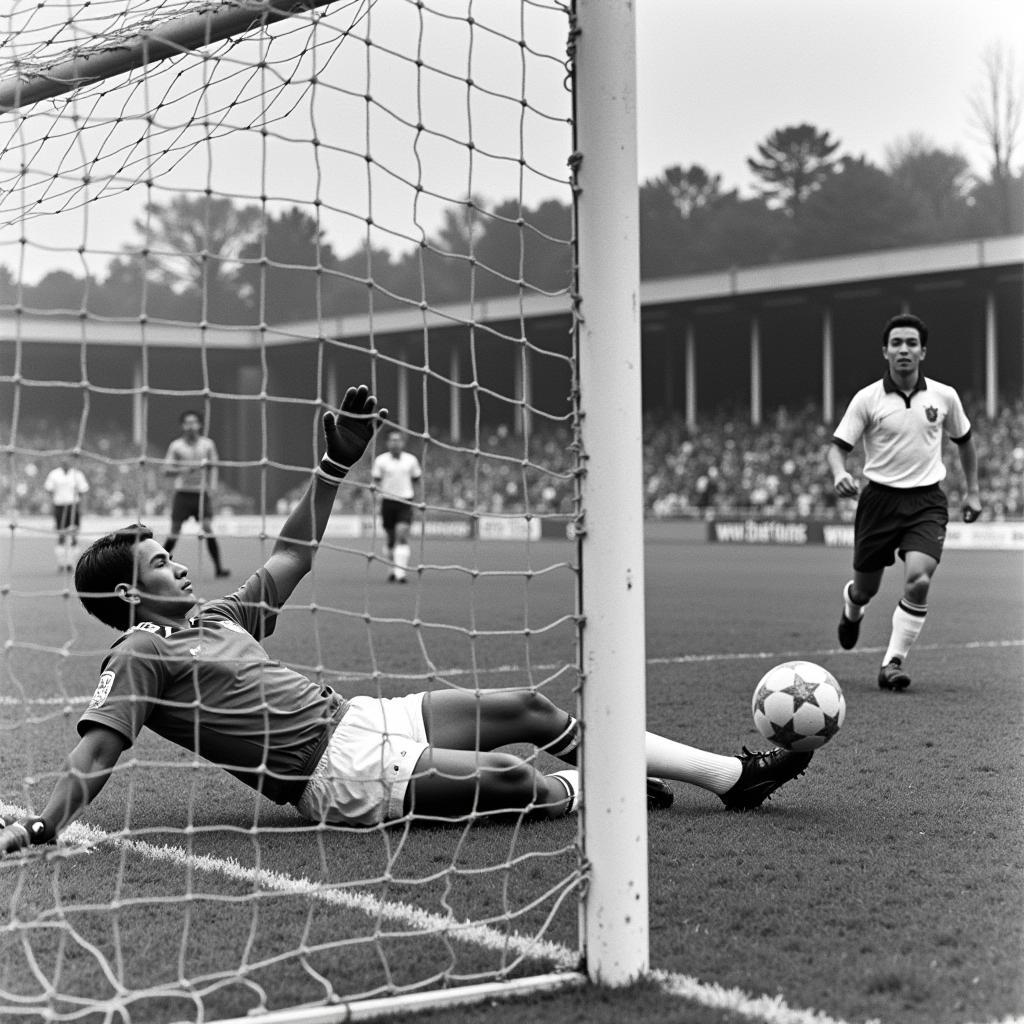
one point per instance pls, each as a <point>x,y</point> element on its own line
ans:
<point>886,884</point>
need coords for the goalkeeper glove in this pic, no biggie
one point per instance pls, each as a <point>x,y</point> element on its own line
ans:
<point>348,432</point>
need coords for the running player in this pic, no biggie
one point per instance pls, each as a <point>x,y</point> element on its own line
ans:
<point>902,510</point>
<point>66,484</point>
<point>192,460</point>
<point>396,473</point>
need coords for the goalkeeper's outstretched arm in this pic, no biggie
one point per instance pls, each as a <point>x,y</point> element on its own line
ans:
<point>346,433</point>
<point>87,769</point>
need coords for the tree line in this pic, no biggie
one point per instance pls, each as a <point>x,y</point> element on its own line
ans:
<point>208,258</point>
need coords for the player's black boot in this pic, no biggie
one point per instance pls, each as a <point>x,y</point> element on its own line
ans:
<point>763,773</point>
<point>892,677</point>
<point>659,796</point>
<point>849,631</point>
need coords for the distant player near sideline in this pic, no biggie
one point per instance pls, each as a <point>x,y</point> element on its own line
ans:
<point>66,484</point>
<point>192,460</point>
<point>902,510</point>
<point>340,761</point>
<point>396,473</point>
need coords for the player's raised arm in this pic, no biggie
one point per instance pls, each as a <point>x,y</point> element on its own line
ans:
<point>347,434</point>
<point>88,767</point>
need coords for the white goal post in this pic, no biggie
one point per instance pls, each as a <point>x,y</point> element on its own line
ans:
<point>329,120</point>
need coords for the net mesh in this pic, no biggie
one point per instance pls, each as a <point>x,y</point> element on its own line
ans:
<point>326,195</point>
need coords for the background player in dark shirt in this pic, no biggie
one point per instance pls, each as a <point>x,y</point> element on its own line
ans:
<point>206,683</point>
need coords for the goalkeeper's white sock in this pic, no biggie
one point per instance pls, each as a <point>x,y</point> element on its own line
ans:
<point>565,745</point>
<point>402,553</point>
<point>58,552</point>
<point>570,779</point>
<point>668,759</point>
<point>907,623</point>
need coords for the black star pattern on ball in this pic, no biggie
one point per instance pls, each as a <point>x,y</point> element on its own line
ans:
<point>784,734</point>
<point>801,691</point>
<point>763,693</point>
<point>830,728</point>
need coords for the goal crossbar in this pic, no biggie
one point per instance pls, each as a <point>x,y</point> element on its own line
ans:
<point>146,46</point>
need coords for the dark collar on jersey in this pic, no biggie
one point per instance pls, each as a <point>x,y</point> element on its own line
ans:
<point>890,385</point>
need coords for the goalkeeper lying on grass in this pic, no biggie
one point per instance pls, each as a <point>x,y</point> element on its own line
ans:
<point>205,682</point>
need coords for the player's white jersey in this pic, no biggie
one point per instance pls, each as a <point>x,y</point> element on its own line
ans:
<point>396,474</point>
<point>65,486</point>
<point>903,433</point>
<point>196,462</point>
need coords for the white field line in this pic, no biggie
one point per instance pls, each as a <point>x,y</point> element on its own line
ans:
<point>763,1009</point>
<point>77,700</point>
<point>771,1010</point>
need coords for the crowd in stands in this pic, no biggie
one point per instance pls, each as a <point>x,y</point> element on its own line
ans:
<point>123,480</point>
<point>724,466</point>
<point>779,468</point>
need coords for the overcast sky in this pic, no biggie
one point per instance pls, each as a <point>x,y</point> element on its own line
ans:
<point>716,76</point>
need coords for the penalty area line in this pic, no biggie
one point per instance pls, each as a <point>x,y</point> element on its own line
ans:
<point>688,659</point>
<point>73,702</point>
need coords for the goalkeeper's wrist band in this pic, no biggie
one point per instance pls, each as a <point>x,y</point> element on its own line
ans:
<point>331,471</point>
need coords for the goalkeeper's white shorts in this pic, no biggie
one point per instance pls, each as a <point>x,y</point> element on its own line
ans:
<point>364,773</point>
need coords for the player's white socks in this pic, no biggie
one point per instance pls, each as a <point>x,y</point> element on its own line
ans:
<point>402,553</point>
<point>851,609</point>
<point>907,623</point>
<point>565,745</point>
<point>59,552</point>
<point>668,759</point>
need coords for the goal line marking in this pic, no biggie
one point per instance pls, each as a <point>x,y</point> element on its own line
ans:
<point>766,1009</point>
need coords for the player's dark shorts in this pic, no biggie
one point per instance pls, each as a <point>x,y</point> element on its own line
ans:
<point>67,517</point>
<point>188,505</point>
<point>393,512</point>
<point>893,520</point>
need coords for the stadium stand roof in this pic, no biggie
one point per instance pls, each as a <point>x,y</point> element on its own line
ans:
<point>922,262</point>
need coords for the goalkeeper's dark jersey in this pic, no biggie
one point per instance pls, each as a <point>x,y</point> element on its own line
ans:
<point>213,689</point>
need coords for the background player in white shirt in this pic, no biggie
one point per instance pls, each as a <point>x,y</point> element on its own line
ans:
<point>192,460</point>
<point>396,473</point>
<point>358,761</point>
<point>66,484</point>
<point>902,420</point>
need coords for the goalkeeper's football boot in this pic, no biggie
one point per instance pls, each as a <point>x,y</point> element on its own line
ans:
<point>659,796</point>
<point>892,677</point>
<point>763,772</point>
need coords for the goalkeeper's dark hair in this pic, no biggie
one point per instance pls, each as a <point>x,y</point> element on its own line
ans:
<point>906,320</point>
<point>104,564</point>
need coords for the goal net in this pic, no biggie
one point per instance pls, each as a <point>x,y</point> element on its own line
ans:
<point>239,209</point>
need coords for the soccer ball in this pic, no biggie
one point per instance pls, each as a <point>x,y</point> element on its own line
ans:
<point>798,705</point>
